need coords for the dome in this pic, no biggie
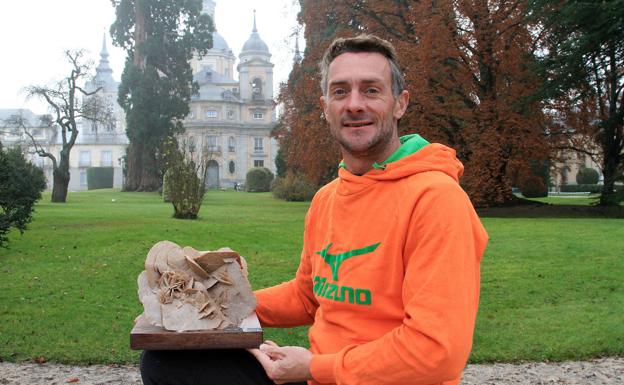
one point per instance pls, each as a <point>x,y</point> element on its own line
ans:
<point>219,43</point>
<point>255,44</point>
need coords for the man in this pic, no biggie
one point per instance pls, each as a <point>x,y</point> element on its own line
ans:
<point>389,271</point>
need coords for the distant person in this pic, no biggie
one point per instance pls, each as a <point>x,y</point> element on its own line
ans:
<point>389,271</point>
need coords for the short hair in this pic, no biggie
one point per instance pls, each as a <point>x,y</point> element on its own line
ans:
<point>363,43</point>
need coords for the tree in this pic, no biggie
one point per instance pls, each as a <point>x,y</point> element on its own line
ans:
<point>160,37</point>
<point>305,140</point>
<point>583,64</point>
<point>67,107</point>
<point>21,185</point>
<point>467,65</point>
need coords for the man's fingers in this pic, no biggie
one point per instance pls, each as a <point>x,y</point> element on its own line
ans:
<point>273,351</point>
<point>264,359</point>
<point>269,342</point>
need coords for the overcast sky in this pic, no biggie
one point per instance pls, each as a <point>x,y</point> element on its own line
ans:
<point>35,33</point>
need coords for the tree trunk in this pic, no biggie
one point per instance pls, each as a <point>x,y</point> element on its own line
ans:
<point>608,196</point>
<point>133,166</point>
<point>61,181</point>
<point>150,173</point>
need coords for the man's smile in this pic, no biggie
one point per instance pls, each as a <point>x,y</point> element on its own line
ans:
<point>357,123</point>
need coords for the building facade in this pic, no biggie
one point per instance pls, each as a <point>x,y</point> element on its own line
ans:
<point>100,143</point>
<point>231,120</point>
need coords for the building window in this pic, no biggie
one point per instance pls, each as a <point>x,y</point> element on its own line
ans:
<point>106,159</point>
<point>211,143</point>
<point>230,114</point>
<point>83,178</point>
<point>258,144</point>
<point>256,89</point>
<point>191,144</point>
<point>85,159</point>
<point>211,114</point>
<point>231,144</point>
<point>258,163</point>
<point>231,167</point>
<point>258,115</point>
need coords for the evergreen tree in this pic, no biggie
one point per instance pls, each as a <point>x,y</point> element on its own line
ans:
<point>21,185</point>
<point>161,37</point>
<point>583,65</point>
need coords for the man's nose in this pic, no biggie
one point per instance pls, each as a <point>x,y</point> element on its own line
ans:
<point>355,102</point>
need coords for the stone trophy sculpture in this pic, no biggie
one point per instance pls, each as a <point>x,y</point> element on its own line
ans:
<point>183,289</point>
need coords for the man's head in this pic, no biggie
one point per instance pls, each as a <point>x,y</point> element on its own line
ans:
<point>363,99</point>
<point>363,43</point>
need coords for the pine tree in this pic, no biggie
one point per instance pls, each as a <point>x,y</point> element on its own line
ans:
<point>583,64</point>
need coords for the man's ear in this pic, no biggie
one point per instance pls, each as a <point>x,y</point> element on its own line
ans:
<point>323,106</point>
<point>400,104</point>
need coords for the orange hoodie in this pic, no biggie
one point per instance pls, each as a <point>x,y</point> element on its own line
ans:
<point>389,273</point>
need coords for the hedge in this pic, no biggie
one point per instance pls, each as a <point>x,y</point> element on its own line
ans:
<point>587,175</point>
<point>591,188</point>
<point>99,177</point>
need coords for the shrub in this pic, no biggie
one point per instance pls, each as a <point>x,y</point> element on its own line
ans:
<point>532,186</point>
<point>21,185</point>
<point>181,183</point>
<point>99,177</point>
<point>587,175</point>
<point>293,187</point>
<point>258,179</point>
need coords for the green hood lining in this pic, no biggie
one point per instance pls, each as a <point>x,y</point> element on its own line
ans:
<point>409,145</point>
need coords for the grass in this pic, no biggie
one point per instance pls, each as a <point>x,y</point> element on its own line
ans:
<point>570,200</point>
<point>551,288</point>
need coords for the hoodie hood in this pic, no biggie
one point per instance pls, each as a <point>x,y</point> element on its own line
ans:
<point>413,157</point>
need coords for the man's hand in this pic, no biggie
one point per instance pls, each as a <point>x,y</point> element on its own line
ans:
<point>284,364</point>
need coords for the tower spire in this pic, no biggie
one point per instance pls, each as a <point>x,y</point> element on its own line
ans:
<point>104,52</point>
<point>254,27</point>
<point>103,67</point>
<point>297,57</point>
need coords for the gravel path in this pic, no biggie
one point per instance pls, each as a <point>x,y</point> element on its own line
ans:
<point>606,371</point>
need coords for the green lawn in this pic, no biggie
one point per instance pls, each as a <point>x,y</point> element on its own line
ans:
<point>552,289</point>
<point>570,199</point>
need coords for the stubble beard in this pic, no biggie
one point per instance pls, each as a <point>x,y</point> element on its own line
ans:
<point>372,148</point>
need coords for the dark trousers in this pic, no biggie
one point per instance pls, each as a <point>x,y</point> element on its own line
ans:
<point>202,367</point>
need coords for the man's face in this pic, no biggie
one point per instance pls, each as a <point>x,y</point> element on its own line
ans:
<point>359,106</point>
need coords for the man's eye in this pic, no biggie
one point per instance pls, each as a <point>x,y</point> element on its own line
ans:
<point>372,91</point>
<point>339,91</point>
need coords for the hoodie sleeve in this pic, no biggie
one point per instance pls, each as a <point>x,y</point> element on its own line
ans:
<point>291,303</point>
<point>442,253</point>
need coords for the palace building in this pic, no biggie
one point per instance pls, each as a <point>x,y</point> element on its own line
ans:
<point>230,119</point>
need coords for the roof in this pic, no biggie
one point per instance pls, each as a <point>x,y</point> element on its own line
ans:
<point>27,114</point>
<point>219,43</point>
<point>209,76</point>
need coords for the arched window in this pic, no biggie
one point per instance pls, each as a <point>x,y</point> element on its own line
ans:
<point>231,167</point>
<point>256,89</point>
